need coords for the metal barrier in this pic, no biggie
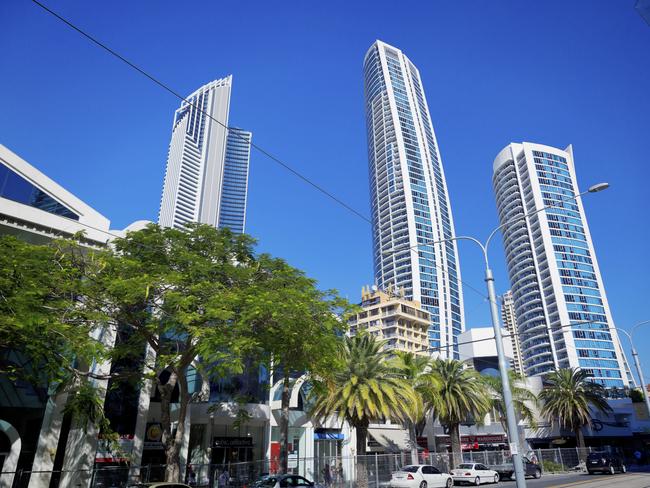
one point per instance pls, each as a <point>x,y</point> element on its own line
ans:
<point>328,472</point>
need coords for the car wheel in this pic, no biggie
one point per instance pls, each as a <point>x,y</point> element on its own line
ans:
<point>496,478</point>
<point>612,470</point>
<point>423,484</point>
<point>623,468</point>
<point>590,472</point>
<point>450,483</point>
<point>538,474</point>
<point>477,481</point>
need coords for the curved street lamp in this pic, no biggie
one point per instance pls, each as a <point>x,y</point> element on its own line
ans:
<point>513,433</point>
<point>637,364</point>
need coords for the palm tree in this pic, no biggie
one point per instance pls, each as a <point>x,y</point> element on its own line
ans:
<point>567,395</point>
<point>414,369</point>
<point>522,398</point>
<point>362,389</point>
<point>457,394</point>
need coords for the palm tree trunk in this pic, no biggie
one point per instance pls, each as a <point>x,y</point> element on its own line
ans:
<point>580,442</point>
<point>456,450</point>
<point>362,471</point>
<point>284,424</point>
<point>413,440</point>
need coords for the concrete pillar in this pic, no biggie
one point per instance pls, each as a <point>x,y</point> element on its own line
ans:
<point>10,463</point>
<point>79,459</point>
<point>48,440</point>
<point>186,442</point>
<point>144,400</point>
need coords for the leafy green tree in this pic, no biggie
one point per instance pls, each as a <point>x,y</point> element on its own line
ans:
<point>457,394</point>
<point>415,369</point>
<point>567,395</point>
<point>363,388</point>
<point>40,315</point>
<point>181,293</point>
<point>296,328</point>
<point>523,399</point>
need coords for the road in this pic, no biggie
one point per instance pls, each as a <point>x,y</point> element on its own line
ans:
<point>579,480</point>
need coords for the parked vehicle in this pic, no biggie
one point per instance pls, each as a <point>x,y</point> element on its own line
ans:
<point>283,481</point>
<point>474,473</point>
<point>420,476</point>
<point>507,470</point>
<point>603,462</point>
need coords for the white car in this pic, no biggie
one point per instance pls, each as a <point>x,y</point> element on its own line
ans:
<point>474,473</point>
<point>420,476</point>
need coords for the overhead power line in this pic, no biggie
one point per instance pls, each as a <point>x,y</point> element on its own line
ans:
<point>167,88</point>
<point>263,151</point>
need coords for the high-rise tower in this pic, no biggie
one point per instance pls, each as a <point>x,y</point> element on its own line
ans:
<point>207,166</point>
<point>409,200</point>
<point>509,319</point>
<point>562,312</point>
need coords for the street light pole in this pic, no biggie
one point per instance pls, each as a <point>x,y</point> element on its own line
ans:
<point>513,429</point>
<point>511,419</point>
<point>637,364</point>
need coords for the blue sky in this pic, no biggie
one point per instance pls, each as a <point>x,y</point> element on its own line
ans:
<point>553,72</point>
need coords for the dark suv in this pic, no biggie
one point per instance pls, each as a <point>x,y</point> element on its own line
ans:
<point>603,462</point>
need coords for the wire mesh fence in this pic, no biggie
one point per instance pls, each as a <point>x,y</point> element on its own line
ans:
<point>325,471</point>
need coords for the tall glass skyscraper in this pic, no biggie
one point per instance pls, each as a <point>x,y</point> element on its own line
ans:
<point>562,312</point>
<point>207,166</point>
<point>409,200</point>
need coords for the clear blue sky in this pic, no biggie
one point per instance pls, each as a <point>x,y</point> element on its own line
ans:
<point>553,72</point>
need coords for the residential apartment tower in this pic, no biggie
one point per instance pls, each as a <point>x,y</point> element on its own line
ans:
<point>206,179</point>
<point>562,313</point>
<point>409,201</point>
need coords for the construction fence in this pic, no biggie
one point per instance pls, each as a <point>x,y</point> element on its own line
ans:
<point>328,472</point>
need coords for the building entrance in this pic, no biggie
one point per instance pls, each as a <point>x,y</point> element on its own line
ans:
<point>229,450</point>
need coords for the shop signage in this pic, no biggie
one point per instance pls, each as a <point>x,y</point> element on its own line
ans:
<point>232,442</point>
<point>153,436</point>
<point>337,436</point>
<point>476,439</point>
<point>109,452</point>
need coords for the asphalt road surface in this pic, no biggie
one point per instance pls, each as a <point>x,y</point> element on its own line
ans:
<point>579,480</point>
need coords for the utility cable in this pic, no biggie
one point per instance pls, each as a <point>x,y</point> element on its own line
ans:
<point>176,94</point>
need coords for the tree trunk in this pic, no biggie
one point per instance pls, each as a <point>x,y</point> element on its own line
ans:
<point>362,469</point>
<point>284,424</point>
<point>456,449</point>
<point>173,443</point>
<point>413,441</point>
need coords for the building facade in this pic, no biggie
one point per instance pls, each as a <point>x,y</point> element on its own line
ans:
<point>36,209</point>
<point>509,319</point>
<point>561,308</point>
<point>206,179</point>
<point>409,200</point>
<point>389,316</point>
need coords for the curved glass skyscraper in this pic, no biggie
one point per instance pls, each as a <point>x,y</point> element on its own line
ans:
<point>207,166</point>
<point>409,200</point>
<point>562,312</point>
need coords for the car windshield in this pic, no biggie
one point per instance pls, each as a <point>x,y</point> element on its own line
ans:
<point>410,469</point>
<point>465,466</point>
<point>596,455</point>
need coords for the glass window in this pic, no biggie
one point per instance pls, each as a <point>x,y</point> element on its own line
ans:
<point>15,187</point>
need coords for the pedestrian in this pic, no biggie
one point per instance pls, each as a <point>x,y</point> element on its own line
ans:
<point>327,475</point>
<point>191,477</point>
<point>339,472</point>
<point>224,478</point>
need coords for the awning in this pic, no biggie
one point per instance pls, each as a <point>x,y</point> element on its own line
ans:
<point>388,440</point>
